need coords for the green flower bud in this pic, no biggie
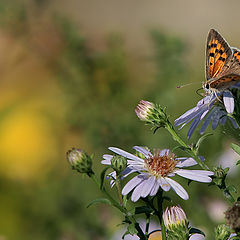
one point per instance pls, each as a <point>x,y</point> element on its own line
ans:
<point>80,161</point>
<point>222,232</point>
<point>220,176</point>
<point>119,163</point>
<point>176,223</point>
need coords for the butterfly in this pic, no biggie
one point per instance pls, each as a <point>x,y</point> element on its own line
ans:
<point>222,64</point>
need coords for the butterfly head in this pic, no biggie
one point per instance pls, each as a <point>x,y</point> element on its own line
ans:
<point>207,87</point>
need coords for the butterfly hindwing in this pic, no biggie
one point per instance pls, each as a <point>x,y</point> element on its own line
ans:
<point>218,54</point>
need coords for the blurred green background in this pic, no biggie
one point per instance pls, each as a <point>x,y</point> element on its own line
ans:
<point>71,74</point>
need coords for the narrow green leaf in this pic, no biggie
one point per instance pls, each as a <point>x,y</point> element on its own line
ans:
<point>201,139</point>
<point>238,162</point>
<point>99,200</point>
<point>232,188</point>
<point>195,230</point>
<point>236,148</point>
<point>102,176</point>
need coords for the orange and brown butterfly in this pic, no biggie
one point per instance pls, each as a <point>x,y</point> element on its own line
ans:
<point>222,64</point>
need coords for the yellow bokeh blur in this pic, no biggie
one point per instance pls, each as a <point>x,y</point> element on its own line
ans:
<point>26,144</point>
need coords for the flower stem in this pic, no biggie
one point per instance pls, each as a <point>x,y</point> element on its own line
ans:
<point>119,189</point>
<point>113,201</point>
<point>131,218</point>
<point>172,131</point>
<point>175,136</point>
<point>160,213</point>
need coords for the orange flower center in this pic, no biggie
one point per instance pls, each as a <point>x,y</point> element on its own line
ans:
<point>161,166</point>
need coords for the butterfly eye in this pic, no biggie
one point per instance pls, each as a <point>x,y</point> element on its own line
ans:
<point>207,86</point>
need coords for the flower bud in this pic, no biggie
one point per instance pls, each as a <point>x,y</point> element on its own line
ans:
<point>144,110</point>
<point>119,163</point>
<point>222,232</point>
<point>152,114</point>
<point>232,216</point>
<point>220,176</point>
<point>176,223</point>
<point>80,161</point>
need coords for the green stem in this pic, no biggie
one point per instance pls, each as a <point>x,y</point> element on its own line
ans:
<point>160,213</point>
<point>119,189</point>
<point>163,230</point>
<point>172,131</point>
<point>147,224</point>
<point>140,233</point>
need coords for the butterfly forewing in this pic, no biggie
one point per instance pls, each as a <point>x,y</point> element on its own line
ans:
<point>218,55</point>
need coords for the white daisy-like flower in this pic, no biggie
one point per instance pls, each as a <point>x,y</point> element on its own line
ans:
<point>155,170</point>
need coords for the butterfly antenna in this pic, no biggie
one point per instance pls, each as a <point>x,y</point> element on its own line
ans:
<point>187,84</point>
<point>197,91</point>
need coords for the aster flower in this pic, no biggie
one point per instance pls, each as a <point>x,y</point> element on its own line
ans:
<point>208,110</point>
<point>155,171</point>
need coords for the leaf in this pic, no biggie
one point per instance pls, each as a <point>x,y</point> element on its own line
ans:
<point>195,230</point>
<point>235,238</point>
<point>238,162</point>
<point>201,139</point>
<point>232,188</point>
<point>99,200</point>
<point>132,229</point>
<point>236,148</point>
<point>102,177</point>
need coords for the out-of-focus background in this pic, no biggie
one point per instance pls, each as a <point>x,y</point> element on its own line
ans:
<point>71,74</point>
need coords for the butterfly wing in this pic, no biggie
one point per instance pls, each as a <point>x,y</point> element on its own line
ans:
<point>218,55</point>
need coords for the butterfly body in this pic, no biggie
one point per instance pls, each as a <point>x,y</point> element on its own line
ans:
<point>222,64</point>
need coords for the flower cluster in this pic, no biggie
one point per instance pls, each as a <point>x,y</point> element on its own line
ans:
<point>155,171</point>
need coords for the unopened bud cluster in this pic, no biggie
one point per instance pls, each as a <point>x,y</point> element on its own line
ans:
<point>152,114</point>
<point>222,232</point>
<point>220,176</point>
<point>80,161</point>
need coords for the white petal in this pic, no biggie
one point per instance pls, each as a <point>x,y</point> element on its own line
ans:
<point>197,175</point>
<point>125,154</point>
<point>228,100</point>
<point>107,157</point>
<point>178,188</point>
<point>164,184</point>
<point>142,150</point>
<point>132,184</point>
<point>197,236</point>
<point>147,186</point>
<point>106,162</point>
<point>186,162</point>
<point>137,192</point>
<point>154,189</point>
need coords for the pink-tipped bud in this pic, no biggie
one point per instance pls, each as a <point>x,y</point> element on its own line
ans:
<point>144,110</point>
<point>174,218</point>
